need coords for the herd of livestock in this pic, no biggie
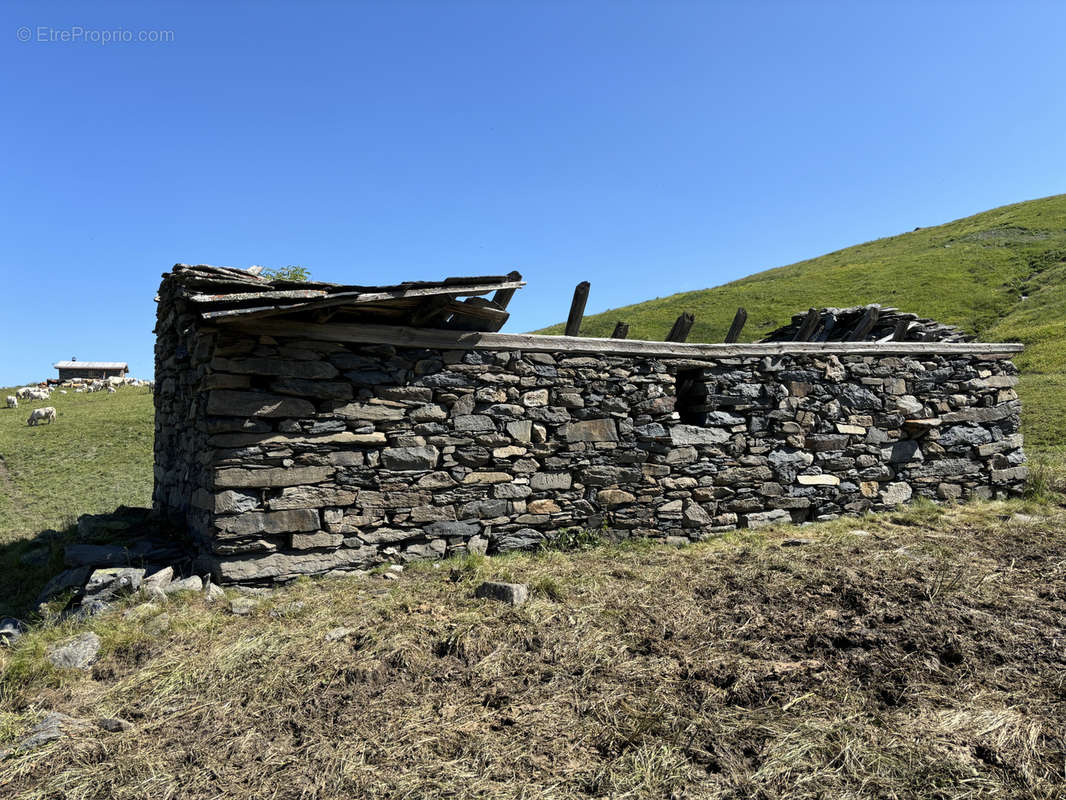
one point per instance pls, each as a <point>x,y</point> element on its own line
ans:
<point>43,391</point>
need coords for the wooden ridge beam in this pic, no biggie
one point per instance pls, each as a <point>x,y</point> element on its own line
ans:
<point>463,340</point>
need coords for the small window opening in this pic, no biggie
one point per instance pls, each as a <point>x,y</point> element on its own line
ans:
<point>692,396</point>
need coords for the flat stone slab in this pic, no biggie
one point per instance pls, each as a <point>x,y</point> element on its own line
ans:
<point>232,403</point>
<point>694,434</point>
<point>73,578</point>
<point>591,430</point>
<point>237,478</point>
<point>410,459</point>
<point>514,594</point>
<point>54,726</point>
<point>279,564</point>
<point>296,520</point>
<point>78,652</point>
<point>96,555</point>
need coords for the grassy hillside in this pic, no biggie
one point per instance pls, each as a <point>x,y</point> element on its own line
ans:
<point>96,456</point>
<point>973,272</point>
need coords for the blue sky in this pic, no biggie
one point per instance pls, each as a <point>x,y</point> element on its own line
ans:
<point>646,147</point>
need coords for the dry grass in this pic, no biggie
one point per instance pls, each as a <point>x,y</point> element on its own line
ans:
<point>921,658</point>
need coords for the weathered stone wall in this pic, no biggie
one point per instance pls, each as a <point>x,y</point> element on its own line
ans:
<point>182,457</point>
<point>292,456</point>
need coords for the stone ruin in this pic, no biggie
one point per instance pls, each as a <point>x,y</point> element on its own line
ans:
<point>305,428</point>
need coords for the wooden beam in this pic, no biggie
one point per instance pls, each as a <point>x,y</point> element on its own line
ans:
<point>503,296</point>
<point>461,340</point>
<point>475,314</point>
<point>829,322</point>
<point>266,296</point>
<point>430,311</point>
<point>810,323</point>
<point>361,298</point>
<point>866,324</point>
<point>900,333</point>
<point>682,326</point>
<point>621,330</point>
<point>577,308</point>
<point>737,326</point>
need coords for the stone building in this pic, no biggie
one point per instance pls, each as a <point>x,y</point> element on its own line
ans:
<point>304,428</point>
<point>94,370</point>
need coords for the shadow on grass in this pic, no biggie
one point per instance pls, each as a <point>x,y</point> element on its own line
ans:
<point>127,536</point>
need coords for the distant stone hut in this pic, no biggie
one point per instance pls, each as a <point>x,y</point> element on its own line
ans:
<point>94,370</point>
<point>309,427</point>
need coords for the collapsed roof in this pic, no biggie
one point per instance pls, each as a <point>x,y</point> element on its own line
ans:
<point>865,324</point>
<point>226,294</point>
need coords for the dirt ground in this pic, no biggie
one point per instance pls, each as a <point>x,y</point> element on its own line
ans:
<point>914,655</point>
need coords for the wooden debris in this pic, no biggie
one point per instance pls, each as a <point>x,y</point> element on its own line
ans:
<point>808,326</point>
<point>223,293</point>
<point>865,325</point>
<point>503,296</point>
<point>858,323</point>
<point>621,330</point>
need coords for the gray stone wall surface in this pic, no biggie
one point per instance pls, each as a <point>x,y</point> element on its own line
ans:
<point>287,457</point>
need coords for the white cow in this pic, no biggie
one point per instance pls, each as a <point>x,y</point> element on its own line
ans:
<point>111,389</point>
<point>38,415</point>
<point>12,401</point>
<point>24,392</point>
<point>38,394</point>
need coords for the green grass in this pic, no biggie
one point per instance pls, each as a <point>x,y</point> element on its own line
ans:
<point>972,272</point>
<point>97,455</point>
<point>914,655</point>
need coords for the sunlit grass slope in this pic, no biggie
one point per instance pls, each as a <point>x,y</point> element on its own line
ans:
<point>1000,274</point>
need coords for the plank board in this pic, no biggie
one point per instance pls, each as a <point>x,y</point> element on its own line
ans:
<point>459,340</point>
<point>362,298</point>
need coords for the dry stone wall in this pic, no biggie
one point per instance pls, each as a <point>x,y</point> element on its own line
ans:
<point>291,456</point>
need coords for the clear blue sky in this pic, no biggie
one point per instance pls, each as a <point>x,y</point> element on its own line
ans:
<point>646,147</point>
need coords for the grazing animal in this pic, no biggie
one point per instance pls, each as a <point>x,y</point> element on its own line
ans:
<point>111,389</point>
<point>12,401</point>
<point>38,415</point>
<point>24,392</point>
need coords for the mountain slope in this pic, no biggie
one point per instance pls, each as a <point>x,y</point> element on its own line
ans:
<point>1000,274</point>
